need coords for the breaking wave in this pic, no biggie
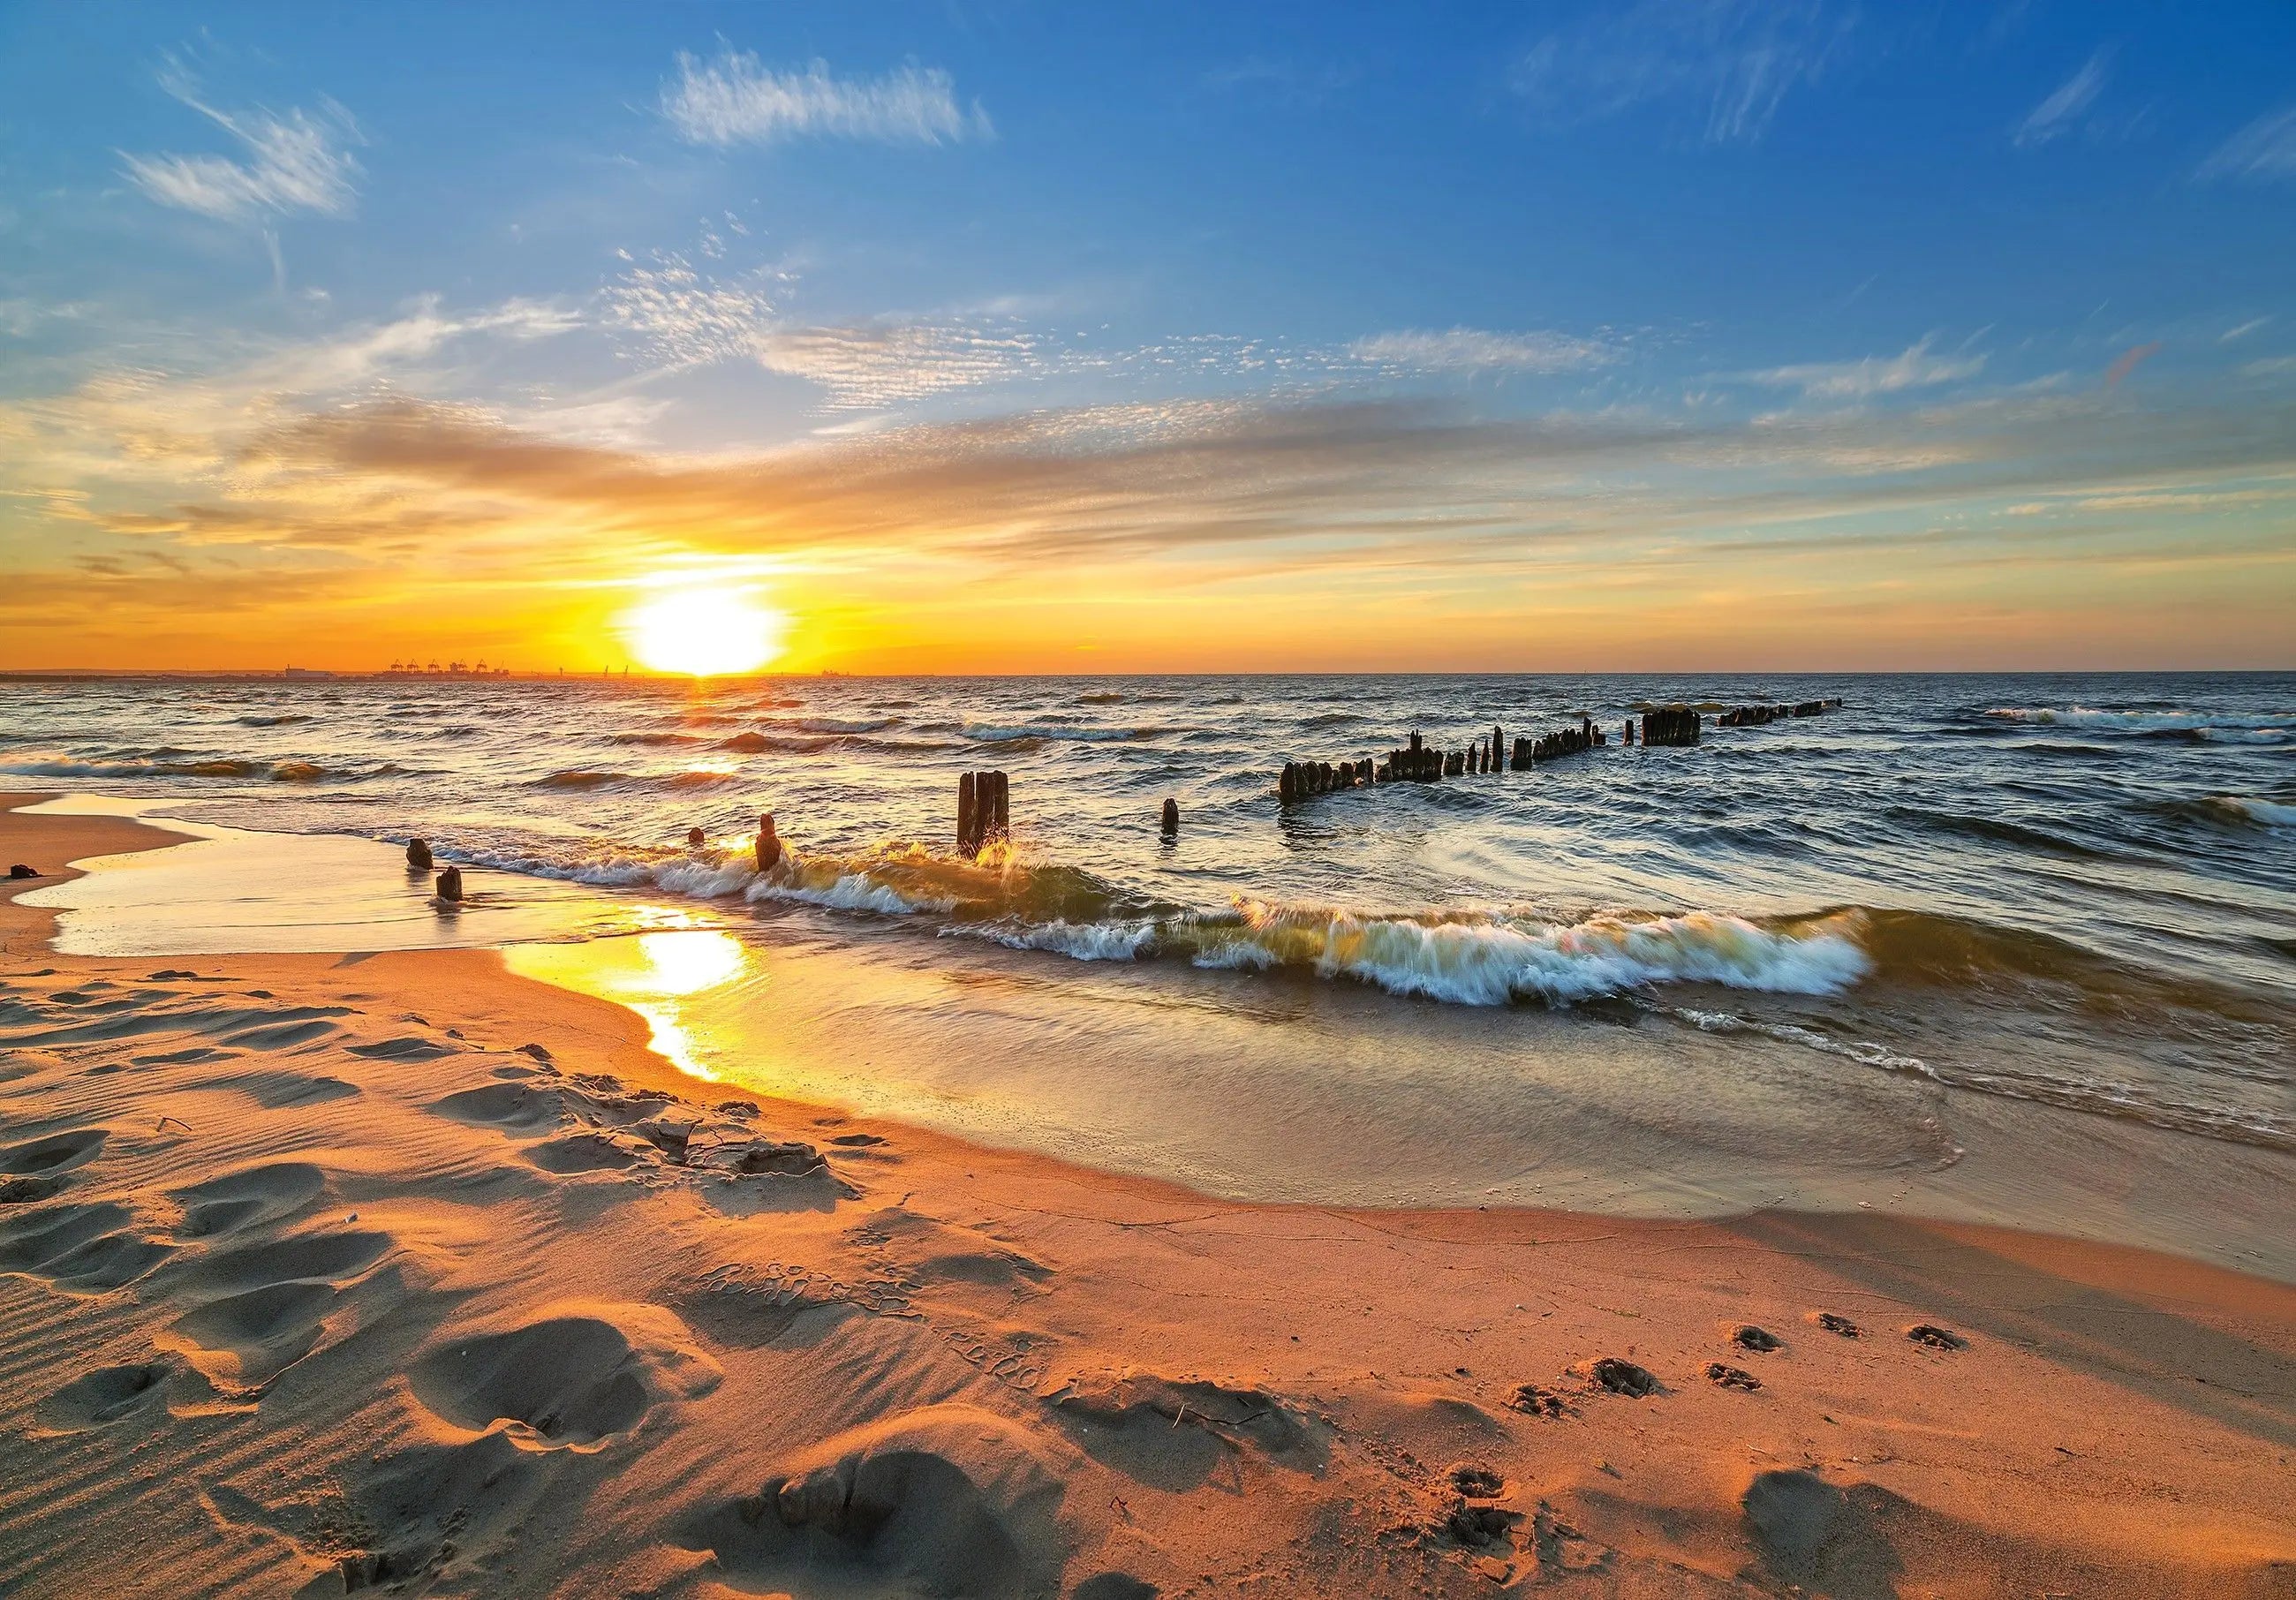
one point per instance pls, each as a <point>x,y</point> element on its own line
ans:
<point>2207,724</point>
<point>277,772</point>
<point>995,733</point>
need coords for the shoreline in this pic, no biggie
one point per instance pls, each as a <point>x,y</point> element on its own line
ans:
<point>1049,1378</point>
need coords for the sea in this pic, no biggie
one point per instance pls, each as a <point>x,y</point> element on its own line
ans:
<point>2001,948</point>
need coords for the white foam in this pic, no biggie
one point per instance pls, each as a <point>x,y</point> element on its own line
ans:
<point>1489,963</point>
<point>2272,813</point>
<point>1080,941</point>
<point>850,892</point>
<point>1858,1050</point>
<point>2206,723</point>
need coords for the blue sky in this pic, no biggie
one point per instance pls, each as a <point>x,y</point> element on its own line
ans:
<point>1165,322</point>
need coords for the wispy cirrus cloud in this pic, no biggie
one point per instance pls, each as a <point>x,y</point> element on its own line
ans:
<point>2060,112</point>
<point>1730,61</point>
<point>1917,366</point>
<point>736,99</point>
<point>1477,350</point>
<point>2265,149</point>
<point>295,162</point>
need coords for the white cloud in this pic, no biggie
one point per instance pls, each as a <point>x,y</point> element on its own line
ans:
<point>294,163</point>
<point>2266,149</point>
<point>2055,115</point>
<point>684,318</point>
<point>2270,366</point>
<point>1734,60</point>
<point>734,99</point>
<point>2242,332</point>
<point>1475,350</point>
<point>1913,368</point>
<point>870,364</point>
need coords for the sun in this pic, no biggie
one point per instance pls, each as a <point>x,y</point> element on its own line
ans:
<point>707,633</point>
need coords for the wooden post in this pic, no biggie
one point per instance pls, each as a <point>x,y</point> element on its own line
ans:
<point>767,845</point>
<point>695,838</point>
<point>1171,819</point>
<point>418,855</point>
<point>1000,809</point>
<point>450,884</point>
<point>968,816</point>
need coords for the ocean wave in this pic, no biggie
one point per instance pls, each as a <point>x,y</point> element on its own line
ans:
<point>283,720</point>
<point>1857,1050</point>
<point>2243,735</point>
<point>754,743</point>
<point>2251,808</point>
<point>2205,722</point>
<point>2001,832</point>
<point>1080,941</point>
<point>837,725</point>
<point>672,783</point>
<point>1010,733</point>
<point>279,772</point>
<point>644,738</point>
<point>1478,961</point>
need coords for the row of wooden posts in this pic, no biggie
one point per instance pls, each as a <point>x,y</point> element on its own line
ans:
<point>1417,762</point>
<point>1755,716</point>
<point>984,808</point>
<point>1673,725</point>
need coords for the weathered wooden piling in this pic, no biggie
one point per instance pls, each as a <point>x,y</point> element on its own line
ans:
<point>1628,737</point>
<point>695,838</point>
<point>418,855</point>
<point>449,886</point>
<point>767,847</point>
<point>983,811</point>
<point>1171,817</point>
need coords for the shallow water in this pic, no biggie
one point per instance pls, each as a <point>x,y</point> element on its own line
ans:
<point>1799,949</point>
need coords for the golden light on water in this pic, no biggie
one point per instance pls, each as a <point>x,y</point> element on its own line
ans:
<point>707,633</point>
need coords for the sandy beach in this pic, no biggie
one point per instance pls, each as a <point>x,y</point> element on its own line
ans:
<point>398,1271</point>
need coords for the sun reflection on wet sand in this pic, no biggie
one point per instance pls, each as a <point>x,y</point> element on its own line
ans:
<point>653,974</point>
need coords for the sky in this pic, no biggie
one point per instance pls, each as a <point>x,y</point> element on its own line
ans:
<point>1662,335</point>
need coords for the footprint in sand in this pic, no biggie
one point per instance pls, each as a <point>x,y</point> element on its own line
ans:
<point>56,1153</point>
<point>276,1297</point>
<point>1834,1324</point>
<point>1172,1434</point>
<point>1760,1340</point>
<point>578,1379</point>
<point>946,1500</point>
<point>1936,1337</point>
<point>1821,1539</point>
<point>1621,1376</point>
<point>1732,1377</point>
<point>582,1152</point>
<point>1537,1400</point>
<point>1474,1482</point>
<point>245,1198</point>
<point>511,1106</point>
<point>99,1399</point>
<point>81,1249</point>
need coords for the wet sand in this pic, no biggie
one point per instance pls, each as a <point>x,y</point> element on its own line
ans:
<point>321,1273</point>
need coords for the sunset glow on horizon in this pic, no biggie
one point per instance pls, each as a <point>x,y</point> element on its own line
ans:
<point>1481,345</point>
